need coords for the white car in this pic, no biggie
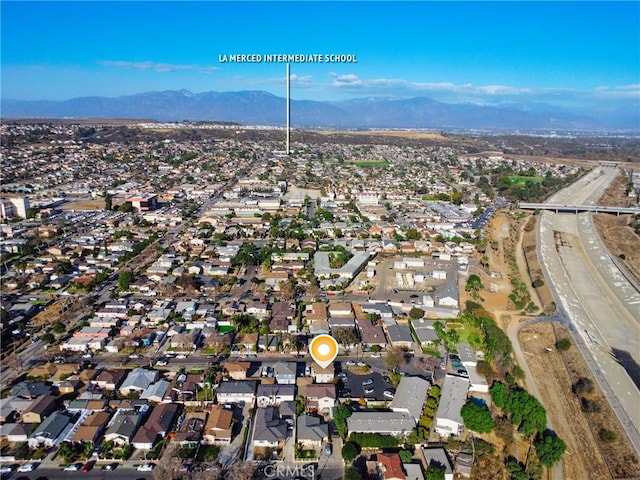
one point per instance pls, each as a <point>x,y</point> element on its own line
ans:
<point>74,467</point>
<point>376,355</point>
<point>145,467</point>
<point>134,356</point>
<point>6,469</point>
<point>350,363</point>
<point>27,467</point>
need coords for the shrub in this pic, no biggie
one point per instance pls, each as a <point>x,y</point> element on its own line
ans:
<point>350,451</point>
<point>537,283</point>
<point>590,406</point>
<point>563,344</point>
<point>582,386</point>
<point>607,436</point>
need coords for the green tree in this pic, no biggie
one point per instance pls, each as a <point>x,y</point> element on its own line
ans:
<point>340,416</point>
<point>563,344</point>
<point>477,418</point>
<point>394,358</point>
<point>527,413</point>
<point>435,472</point>
<point>406,456</point>
<point>350,473</point>
<point>416,313</point>
<point>549,448</point>
<point>473,283</point>
<point>350,451</point>
<point>48,338</point>
<point>59,328</point>
<point>126,207</point>
<point>498,392</point>
<point>125,279</point>
<point>108,201</point>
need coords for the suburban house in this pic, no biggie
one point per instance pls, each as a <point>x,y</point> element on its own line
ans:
<point>189,434</point>
<point>236,392</point>
<point>218,427</point>
<point>400,336</point>
<point>110,379</point>
<point>438,457</point>
<point>270,429</point>
<point>316,318</point>
<point>410,396</point>
<point>311,431</point>
<point>237,370</point>
<point>390,466</point>
<point>468,358</point>
<point>52,431</point>
<point>322,375</point>
<point>138,380</point>
<point>33,389</point>
<point>123,426</point>
<point>370,334</point>
<point>39,409</point>
<point>273,395</point>
<point>321,398</point>
<point>156,391</point>
<point>425,331</point>
<point>158,425</point>
<point>282,315</point>
<point>91,428</point>
<point>285,372</point>
<point>452,398</point>
<point>258,309</point>
<point>385,423</point>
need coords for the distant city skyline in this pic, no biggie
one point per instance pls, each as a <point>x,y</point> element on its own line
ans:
<point>580,55</point>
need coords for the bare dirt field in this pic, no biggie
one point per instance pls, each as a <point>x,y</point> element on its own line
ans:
<point>84,205</point>
<point>618,233</point>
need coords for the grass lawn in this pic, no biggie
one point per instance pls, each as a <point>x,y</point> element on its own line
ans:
<point>379,163</point>
<point>521,181</point>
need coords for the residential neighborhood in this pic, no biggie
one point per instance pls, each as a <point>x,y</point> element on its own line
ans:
<point>159,294</point>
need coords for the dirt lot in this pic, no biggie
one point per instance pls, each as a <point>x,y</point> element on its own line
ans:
<point>82,205</point>
<point>617,232</point>
<point>587,456</point>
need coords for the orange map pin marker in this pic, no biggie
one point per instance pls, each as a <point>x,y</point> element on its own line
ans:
<point>323,350</point>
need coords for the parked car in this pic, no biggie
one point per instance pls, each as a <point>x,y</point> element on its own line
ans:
<point>109,467</point>
<point>350,363</point>
<point>6,469</point>
<point>389,393</point>
<point>133,356</point>
<point>74,467</point>
<point>369,391</point>
<point>328,450</point>
<point>145,467</point>
<point>367,382</point>
<point>27,467</point>
<point>362,364</point>
<point>376,355</point>
<point>87,467</point>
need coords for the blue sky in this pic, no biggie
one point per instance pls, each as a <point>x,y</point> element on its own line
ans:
<point>576,54</point>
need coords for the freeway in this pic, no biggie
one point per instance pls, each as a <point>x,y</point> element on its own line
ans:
<point>600,304</point>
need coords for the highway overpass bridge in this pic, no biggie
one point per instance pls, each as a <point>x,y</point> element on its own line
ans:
<point>579,208</point>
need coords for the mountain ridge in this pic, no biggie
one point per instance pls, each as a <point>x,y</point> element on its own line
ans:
<point>262,107</point>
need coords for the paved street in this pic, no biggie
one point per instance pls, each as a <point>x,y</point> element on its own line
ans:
<point>601,306</point>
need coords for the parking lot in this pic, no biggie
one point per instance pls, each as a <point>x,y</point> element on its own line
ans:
<point>352,383</point>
